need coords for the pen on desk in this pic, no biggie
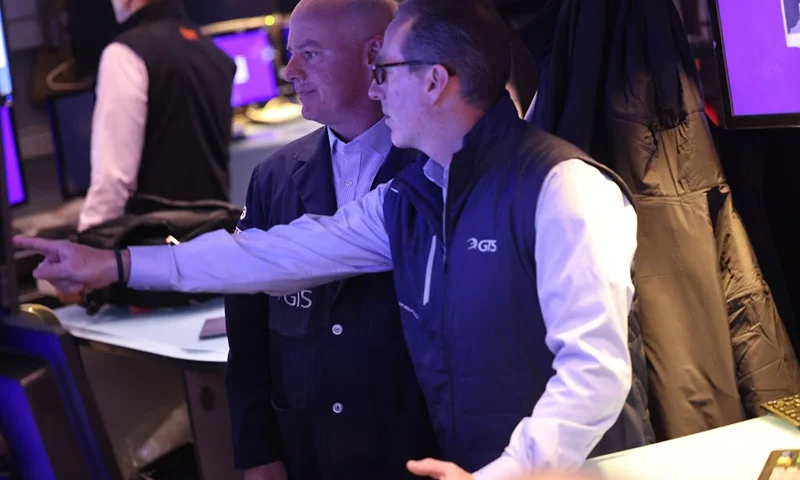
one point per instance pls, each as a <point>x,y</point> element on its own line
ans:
<point>172,240</point>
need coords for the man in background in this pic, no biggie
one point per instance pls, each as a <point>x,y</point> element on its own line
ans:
<point>319,382</point>
<point>163,110</point>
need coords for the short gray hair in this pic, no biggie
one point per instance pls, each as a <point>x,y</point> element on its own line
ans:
<point>466,36</point>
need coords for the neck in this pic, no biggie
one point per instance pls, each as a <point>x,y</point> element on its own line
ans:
<point>444,142</point>
<point>359,121</point>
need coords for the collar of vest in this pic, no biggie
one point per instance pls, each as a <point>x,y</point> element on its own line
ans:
<point>496,132</point>
<point>157,10</point>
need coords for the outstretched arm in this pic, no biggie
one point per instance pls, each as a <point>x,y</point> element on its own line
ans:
<point>310,251</point>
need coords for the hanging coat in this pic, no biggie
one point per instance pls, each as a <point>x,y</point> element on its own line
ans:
<point>618,80</point>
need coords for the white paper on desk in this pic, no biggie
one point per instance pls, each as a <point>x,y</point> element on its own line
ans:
<point>168,332</point>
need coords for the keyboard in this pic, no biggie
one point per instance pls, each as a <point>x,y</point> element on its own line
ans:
<point>786,408</point>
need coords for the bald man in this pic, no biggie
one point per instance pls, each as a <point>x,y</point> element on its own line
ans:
<point>319,382</point>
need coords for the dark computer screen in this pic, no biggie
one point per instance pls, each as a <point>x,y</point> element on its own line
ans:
<point>71,127</point>
<point>204,12</point>
<point>759,50</point>
<point>255,80</point>
<point>8,277</point>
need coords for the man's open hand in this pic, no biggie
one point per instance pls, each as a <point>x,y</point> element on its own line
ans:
<point>71,267</point>
<point>437,469</point>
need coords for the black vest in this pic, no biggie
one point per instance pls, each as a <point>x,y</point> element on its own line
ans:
<point>189,113</point>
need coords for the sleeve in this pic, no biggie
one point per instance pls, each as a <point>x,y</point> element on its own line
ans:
<point>585,243</point>
<point>256,437</point>
<point>118,126</point>
<point>310,251</point>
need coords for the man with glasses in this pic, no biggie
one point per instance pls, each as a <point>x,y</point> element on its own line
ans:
<point>319,381</point>
<point>511,251</point>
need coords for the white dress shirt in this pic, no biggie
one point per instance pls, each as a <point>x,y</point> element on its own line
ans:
<point>118,129</point>
<point>356,163</point>
<point>585,243</point>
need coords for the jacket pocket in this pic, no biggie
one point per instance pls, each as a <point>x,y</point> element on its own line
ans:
<point>292,315</point>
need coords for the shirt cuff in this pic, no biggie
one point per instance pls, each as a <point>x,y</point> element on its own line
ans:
<point>503,468</point>
<point>151,268</point>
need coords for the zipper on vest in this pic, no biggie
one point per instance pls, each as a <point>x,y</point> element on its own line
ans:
<point>426,295</point>
<point>444,228</point>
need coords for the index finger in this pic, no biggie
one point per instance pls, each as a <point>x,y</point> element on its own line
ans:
<point>41,245</point>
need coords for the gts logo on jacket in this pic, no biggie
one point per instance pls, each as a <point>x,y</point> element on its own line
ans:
<point>301,299</point>
<point>483,246</point>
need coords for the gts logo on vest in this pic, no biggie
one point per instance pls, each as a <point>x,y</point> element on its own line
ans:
<point>301,299</point>
<point>483,246</point>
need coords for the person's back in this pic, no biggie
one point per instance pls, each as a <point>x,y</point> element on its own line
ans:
<point>189,111</point>
<point>165,129</point>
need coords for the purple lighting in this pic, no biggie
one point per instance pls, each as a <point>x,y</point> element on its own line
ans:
<point>255,74</point>
<point>762,55</point>
<point>16,192</point>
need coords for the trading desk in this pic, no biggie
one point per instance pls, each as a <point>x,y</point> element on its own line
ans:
<point>172,335</point>
<point>735,452</point>
<point>260,142</point>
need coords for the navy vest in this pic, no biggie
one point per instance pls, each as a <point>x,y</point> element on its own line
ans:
<point>466,282</point>
<point>344,390</point>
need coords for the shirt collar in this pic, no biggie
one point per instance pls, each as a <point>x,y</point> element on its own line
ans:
<point>377,138</point>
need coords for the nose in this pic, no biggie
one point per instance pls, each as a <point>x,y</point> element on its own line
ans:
<point>293,71</point>
<point>375,91</point>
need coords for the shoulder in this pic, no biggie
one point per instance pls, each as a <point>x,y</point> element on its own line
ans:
<point>577,187</point>
<point>118,54</point>
<point>284,161</point>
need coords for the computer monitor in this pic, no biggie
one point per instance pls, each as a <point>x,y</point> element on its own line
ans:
<point>204,12</point>
<point>758,47</point>
<point>70,117</point>
<point>16,193</point>
<point>15,186</point>
<point>8,278</point>
<point>6,87</point>
<point>255,80</point>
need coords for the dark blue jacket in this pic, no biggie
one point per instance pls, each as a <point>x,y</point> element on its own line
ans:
<point>321,379</point>
<point>466,282</point>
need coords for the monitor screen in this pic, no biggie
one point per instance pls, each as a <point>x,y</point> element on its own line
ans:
<point>71,127</point>
<point>204,12</point>
<point>255,80</point>
<point>5,71</point>
<point>759,47</point>
<point>15,186</point>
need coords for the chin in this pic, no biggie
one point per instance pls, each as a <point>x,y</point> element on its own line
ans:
<point>399,141</point>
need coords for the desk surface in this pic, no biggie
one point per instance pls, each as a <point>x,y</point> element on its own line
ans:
<point>734,452</point>
<point>172,333</point>
<point>728,453</point>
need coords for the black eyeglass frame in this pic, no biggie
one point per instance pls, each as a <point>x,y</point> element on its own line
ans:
<point>379,69</point>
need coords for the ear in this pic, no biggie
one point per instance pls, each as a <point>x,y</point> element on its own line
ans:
<point>372,47</point>
<point>436,82</point>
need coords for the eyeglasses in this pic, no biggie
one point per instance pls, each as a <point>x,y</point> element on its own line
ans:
<point>379,69</point>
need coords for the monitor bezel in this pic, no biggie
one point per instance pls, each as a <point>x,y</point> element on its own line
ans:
<point>729,120</point>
